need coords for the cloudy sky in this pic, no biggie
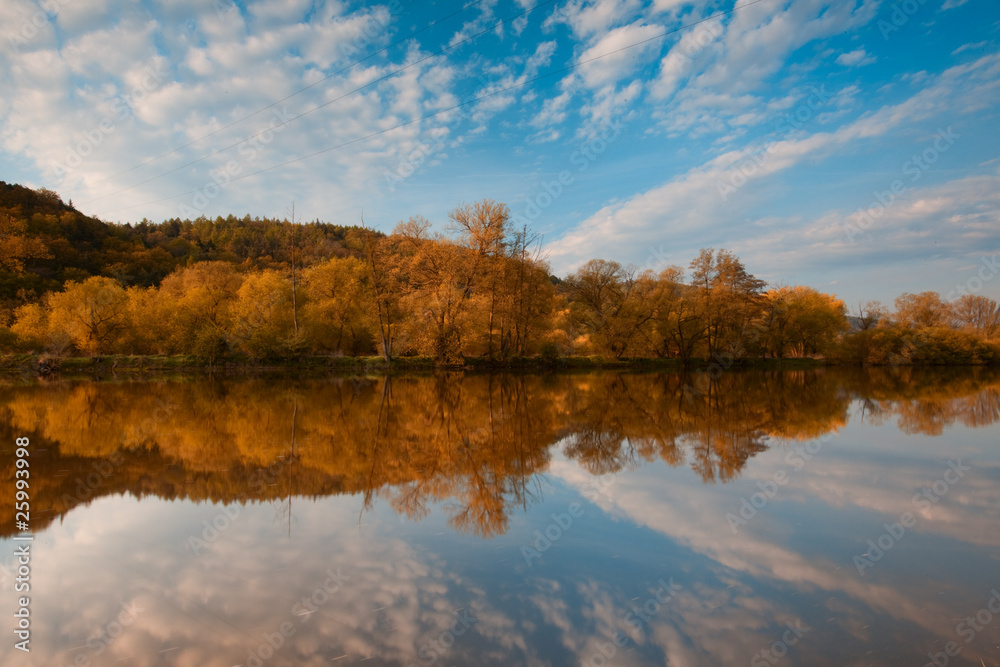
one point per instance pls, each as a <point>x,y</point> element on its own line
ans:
<point>851,145</point>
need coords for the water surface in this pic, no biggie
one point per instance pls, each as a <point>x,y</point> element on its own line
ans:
<point>761,518</point>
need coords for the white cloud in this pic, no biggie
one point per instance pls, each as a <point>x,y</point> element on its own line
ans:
<point>277,12</point>
<point>857,58</point>
<point>683,58</point>
<point>758,39</point>
<point>86,15</point>
<point>212,67</point>
<point>969,47</point>
<point>588,18</point>
<point>618,66</point>
<point>540,58</point>
<point>669,5</point>
<point>485,19</point>
<point>720,69</point>
<point>553,111</point>
<point>955,220</point>
<point>704,198</point>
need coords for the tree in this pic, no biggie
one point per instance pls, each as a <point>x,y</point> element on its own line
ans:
<point>802,320</point>
<point>441,274</point>
<point>483,228</point>
<point>197,303</point>
<point>387,286</point>
<point>31,326</point>
<point>293,241</point>
<point>731,300</point>
<point>529,299</point>
<point>922,310</point>
<point>146,331</point>
<point>978,314</point>
<point>92,313</point>
<point>262,314</point>
<point>16,245</point>
<point>614,303</point>
<point>680,321</point>
<point>335,316</point>
<point>869,314</point>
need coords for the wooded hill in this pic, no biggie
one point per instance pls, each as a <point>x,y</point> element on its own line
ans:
<point>45,243</point>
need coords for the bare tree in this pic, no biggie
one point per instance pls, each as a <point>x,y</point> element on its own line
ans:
<point>867,315</point>
<point>979,314</point>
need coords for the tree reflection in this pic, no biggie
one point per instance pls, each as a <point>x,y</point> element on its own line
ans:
<point>476,444</point>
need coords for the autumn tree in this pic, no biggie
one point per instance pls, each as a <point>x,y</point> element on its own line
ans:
<point>529,298</point>
<point>978,314</point>
<point>17,245</point>
<point>441,275</point>
<point>614,303</point>
<point>197,306</point>
<point>31,326</point>
<point>731,301</point>
<point>92,313</point>
<point>262,314</point>
<point>484,229</point>
<point>388,285</point>
<point>801,320</point>
<point>869,314</point>
<point>680,317</point>
<point>147,327</point>
<point>335,316</point>
<point>922,310</point>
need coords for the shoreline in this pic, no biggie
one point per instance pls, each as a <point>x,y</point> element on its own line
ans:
<point>25,365</point>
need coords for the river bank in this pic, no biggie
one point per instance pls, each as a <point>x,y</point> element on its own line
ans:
<point>46,365</point>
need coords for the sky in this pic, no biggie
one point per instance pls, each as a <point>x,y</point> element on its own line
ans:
<point>850,145</point>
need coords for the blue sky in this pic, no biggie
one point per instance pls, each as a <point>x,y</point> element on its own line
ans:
<point>848,145</point>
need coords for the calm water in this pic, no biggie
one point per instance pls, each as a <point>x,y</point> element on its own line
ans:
<point>795,518</point>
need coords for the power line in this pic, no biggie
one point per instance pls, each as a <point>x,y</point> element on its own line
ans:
<point>321,106</point>
<point>459,105</point>
<point>297,92</point>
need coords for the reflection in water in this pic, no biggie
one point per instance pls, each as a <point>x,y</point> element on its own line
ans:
<point>498,457</point>
<point>477,441</point>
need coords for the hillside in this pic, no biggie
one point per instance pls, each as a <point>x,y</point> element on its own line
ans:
<point>45,242</point>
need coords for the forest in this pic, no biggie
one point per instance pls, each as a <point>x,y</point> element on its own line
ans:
<point>264,289</point>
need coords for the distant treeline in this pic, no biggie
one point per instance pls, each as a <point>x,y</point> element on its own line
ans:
<point>266,289</point>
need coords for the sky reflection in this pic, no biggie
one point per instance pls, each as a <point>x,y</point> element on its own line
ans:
<point>591,521</point>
